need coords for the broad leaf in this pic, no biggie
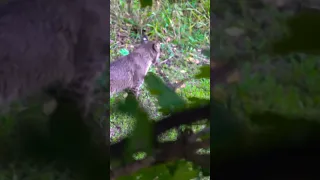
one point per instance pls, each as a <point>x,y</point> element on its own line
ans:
<point>143,127</point>
<point>145,3</point>
<point>185,171</point>
<point>304,34</point>
<point>204,72</point>
<point>168,100</point>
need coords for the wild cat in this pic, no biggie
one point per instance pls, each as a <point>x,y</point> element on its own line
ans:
<point>128,72</point>
<point>52,45</point>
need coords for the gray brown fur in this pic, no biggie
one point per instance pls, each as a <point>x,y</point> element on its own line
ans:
<point>128,72</point>
<point>52,43</point>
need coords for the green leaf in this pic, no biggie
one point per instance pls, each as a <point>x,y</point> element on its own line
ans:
<point>126,178</point>
<point>172,167</point>
<point>198,101</point>
<point>204,72</point>
<point>145,3</point>
<point>160,171</point>
<point>304,34</point>
<point>185,171</point>
<point>168,100</point>
<point>206,52</point>
<point>129,21</point>
<point>124,52</point>
<point>143,128</point>
<point>205,171</point>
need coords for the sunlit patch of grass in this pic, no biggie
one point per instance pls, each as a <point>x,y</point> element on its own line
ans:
<point>197,88</point>
<point>121,124</point>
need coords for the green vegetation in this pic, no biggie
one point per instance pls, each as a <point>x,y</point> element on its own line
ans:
<point>183,30</point>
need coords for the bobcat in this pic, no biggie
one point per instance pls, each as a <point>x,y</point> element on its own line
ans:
<point>128,72</point>
<point>54,46</point>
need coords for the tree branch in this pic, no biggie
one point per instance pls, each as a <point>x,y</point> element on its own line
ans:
<point>175,120</point>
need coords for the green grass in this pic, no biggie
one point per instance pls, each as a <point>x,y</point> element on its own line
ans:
<point>183,30</point>
<point>196,88</point>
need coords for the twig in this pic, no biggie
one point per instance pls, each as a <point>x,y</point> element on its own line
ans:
<point>165,60</point>
<point>199,57</point>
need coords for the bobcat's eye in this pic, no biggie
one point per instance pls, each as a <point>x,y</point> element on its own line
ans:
<point>156,47</point>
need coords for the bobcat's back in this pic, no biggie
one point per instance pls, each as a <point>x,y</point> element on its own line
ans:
<point>128,72</point>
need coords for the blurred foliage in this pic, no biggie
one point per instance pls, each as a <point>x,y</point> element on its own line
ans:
<point>145,3</point>
<point>303,34</point>
<point>168,100</point>
<point>267,126</point>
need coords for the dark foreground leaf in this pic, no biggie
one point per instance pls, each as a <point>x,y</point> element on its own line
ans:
<point>304,34</point>
<point>204,72</point>
<point>141,135</point>
<point>145,3</point>
<point>168,100</point>
<point>282,148</point>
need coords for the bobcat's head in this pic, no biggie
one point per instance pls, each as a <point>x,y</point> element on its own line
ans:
<point>156,51</point>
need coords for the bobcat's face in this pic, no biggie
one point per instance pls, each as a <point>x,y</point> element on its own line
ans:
<point>157,51</point>
<point>150,50</point>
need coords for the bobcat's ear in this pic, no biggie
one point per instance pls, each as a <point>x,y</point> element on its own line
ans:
<point>144,39</point>
<point>156,46</point>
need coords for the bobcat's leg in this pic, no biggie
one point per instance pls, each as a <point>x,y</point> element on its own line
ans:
<point>136,91</point>
<point>139,79</point>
